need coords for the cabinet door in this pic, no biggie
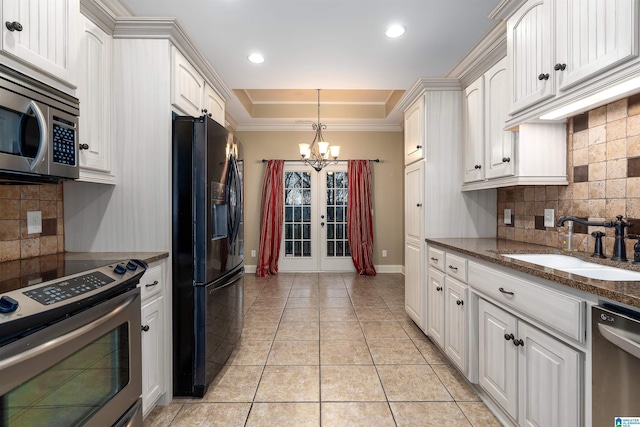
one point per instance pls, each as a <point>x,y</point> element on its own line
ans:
<point>473,119</point>
<point>94,92</point>
<point>593,36</point>
<point>152,353</point>
<point>187,85</point>
<point>414,132</point>
<point>530,54</point>
<point>455,322</point>
<point>435,306</point>
<point>214,104</point>
<point>413,288</point>
<point>498,356</point>
<point>550,383</point>
<point>48,39</point>
<point>414,199</point>
<point>499,151</point>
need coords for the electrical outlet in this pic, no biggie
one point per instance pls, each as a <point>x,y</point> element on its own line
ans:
<point>253,253</point>
<point>549,220</point>
<point>34,222</point>
<point>507,216</point>
<point>384,253</point>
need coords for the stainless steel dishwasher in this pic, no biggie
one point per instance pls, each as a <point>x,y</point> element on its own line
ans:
<point>616,364</point>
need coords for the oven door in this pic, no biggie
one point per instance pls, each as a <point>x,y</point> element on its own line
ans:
<point>84,370</point>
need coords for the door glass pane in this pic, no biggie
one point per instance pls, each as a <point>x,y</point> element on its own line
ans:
<point>337,193</point>
<point>297,218</point>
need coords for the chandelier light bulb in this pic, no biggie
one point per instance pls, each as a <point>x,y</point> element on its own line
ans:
<point>335,151</point>
<point>395,31</point>
<point>304,150</point>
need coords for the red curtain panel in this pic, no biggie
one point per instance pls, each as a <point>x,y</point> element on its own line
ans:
<point>271,218</point>
<point>360,221</point>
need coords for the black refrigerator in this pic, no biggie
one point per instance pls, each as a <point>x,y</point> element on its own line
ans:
<point>207,251</point>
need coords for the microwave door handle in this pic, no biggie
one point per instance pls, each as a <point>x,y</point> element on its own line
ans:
<point>44,135</point>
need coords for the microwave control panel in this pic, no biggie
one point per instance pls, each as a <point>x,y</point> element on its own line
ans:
<point>64,145</point>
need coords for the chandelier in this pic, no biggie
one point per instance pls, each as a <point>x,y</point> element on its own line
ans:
<point>318,154</point>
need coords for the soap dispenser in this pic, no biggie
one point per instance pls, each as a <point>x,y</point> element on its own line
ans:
<point>568,240</point>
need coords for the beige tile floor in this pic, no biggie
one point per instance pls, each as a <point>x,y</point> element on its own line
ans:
<point>331,350</point>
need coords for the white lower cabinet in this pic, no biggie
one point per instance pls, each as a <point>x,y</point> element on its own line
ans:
<point>153,333</point>
<point>455,324</point>
<point>535,378</point>
<point>435,306</point>
<point>152,353</point>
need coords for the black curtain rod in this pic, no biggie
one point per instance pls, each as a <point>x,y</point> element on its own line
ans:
<point>332,161</point>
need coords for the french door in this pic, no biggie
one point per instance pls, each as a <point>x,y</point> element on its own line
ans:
<point>314,234</point>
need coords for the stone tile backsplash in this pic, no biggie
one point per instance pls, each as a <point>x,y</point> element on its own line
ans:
<point>603,168</point>
<point>15,202</point>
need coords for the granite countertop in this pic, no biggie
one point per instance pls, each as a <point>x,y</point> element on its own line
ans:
<point>489,249</point>
<point>147,257</point>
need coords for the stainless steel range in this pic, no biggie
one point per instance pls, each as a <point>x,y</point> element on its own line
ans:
<point>70,347</point>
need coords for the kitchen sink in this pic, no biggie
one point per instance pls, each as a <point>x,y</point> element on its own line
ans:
<point>573,265</point>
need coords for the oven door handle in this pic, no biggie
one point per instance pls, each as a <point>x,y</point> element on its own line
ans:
<point>64,339</point>
<point>625,343</point>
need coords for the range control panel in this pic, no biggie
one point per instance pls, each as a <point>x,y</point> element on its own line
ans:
<point>70,288</point>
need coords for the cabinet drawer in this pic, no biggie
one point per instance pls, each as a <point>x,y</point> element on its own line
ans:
<point>151,282</point>
<point>436,258</point>
<point>556,310</point>
<point>456,267</point>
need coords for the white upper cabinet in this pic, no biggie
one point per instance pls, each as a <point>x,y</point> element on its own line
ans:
<point>564,50</point>
<point>190,93</point>
<point>414,132</point>
<point>473,145</point>
<point>43,36</point>
<point>593,35</point>
<point>488,150</point>
<point>499,152</point>
<point>530,52</point>
<point>94,91</point>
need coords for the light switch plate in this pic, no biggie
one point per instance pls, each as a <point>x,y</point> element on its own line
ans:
<point>549,218</point>
<point>34,222</point>
<point>253,253</point>
<point>384,253</point>
<point>507,216</point>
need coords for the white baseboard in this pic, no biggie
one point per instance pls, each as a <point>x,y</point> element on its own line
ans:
<point>379,268</point>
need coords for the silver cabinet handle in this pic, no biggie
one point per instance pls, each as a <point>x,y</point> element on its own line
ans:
<point>453,268</point>
<point>625,343</point>
<point>148,285</point>
<point>505,292</point>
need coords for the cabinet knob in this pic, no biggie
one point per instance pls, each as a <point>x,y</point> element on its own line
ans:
<point>438,288</point>
<point>477,167</point>
<point>460,302</point>
<point>506,159</point>
<point>83,146</point>
<point>543,76</point>
<point>145,328</point>
<point>560,67</point>
<point>518,342</point>
<point>13,26</point>
<point>508,337</point>
<point>418,147</point>
<point>148,285</point>
<point>419,205</point>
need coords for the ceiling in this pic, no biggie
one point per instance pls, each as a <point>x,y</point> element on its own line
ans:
<point>338,46</point>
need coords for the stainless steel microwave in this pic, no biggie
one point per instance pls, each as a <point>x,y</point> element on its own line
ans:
<point>38,131</point>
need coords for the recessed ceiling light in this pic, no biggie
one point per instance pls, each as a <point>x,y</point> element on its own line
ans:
<point>256,58</point>
<point>395,31</point>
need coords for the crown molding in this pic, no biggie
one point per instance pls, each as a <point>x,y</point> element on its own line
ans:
<point>505,9</point>
<point>487,52</point>
<point>303,127</point>
<point>100,14</point>
<point>170,29</point>
<point>423,85</point>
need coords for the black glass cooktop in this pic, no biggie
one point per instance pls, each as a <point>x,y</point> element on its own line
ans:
<point>23,273</point>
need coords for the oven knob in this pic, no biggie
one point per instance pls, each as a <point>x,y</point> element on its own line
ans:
<point>8,304</point>
<point>132,266</point>
<point>120,269</point>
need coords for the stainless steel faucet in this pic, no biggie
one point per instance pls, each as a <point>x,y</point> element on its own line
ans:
<point>619,248</point>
